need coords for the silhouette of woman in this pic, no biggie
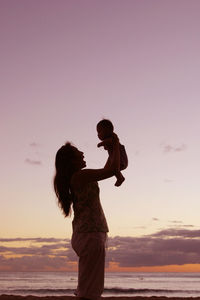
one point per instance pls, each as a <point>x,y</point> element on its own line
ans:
<point>77,186</point>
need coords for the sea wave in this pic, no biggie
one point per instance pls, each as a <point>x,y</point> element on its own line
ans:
<point>145,291</point>
<point>113,291</point>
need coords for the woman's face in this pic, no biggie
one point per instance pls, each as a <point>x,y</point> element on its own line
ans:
<point>78,159</point>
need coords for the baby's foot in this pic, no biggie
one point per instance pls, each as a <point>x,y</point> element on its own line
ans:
<point>120,180</point>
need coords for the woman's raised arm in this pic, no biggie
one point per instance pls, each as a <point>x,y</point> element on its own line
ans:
<point>85,176</point>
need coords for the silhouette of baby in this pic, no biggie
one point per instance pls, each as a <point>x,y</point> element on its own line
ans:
<point>105,130</point>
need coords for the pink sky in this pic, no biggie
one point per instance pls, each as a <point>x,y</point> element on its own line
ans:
<point>64,66</point>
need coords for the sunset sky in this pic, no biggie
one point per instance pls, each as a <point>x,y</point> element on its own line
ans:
<point>66,64</point>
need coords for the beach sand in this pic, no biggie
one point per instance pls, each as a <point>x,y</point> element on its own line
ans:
<point>10,297</point>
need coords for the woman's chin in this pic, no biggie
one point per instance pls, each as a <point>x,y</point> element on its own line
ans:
<point>84,164</point>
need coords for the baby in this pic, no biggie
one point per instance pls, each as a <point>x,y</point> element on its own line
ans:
<point>105,130</point>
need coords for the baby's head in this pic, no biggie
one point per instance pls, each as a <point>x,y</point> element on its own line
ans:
<point>105,129</point>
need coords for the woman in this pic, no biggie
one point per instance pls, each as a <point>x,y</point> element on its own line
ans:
<point>78,187</point>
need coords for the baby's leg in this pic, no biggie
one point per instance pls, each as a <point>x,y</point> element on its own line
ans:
<point>120,178</point>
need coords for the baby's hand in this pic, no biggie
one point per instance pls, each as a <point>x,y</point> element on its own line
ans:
<point>102,144</point>
<point>107,143</point>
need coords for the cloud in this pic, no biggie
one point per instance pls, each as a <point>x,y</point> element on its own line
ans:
<point>40,255</point>
<point>33,250</point>
<point>176,222</point>
<point>184,233</point>
<point>167,148</point>
<point>35,263</point>
<point>34,144</point>
<point>179,224</point>
<point>140,227</point>
<point>165,247</point>
<point>166,180</point>
<point>36,240</point>
<point>180,148</point>
<point>156,250</point>
<point>36,247</point>
<point>137,152</point>
<point>33,162</point>
<point>35,154</point>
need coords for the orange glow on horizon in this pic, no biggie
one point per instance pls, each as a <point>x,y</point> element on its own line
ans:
<point>114,267</point>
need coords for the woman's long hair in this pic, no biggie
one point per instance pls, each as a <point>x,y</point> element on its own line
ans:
<point>64,171</point>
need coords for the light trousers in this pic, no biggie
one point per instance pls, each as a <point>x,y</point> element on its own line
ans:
<point>90,248</point>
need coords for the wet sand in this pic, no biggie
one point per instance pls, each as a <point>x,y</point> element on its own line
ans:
<point>11,297</point>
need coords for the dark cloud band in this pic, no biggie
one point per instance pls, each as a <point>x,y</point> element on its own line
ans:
<point>166,247</point>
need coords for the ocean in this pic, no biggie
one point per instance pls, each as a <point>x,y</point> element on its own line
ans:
<point>116,284</point>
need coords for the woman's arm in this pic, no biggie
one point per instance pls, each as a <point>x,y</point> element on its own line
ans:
<point>85,176</point>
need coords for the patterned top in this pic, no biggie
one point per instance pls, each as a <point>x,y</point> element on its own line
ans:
<point>88,213</point>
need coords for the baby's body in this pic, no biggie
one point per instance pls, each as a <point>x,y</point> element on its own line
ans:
<point>105,133</point>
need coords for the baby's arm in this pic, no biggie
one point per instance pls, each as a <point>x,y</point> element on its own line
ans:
<point>107,143</point>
